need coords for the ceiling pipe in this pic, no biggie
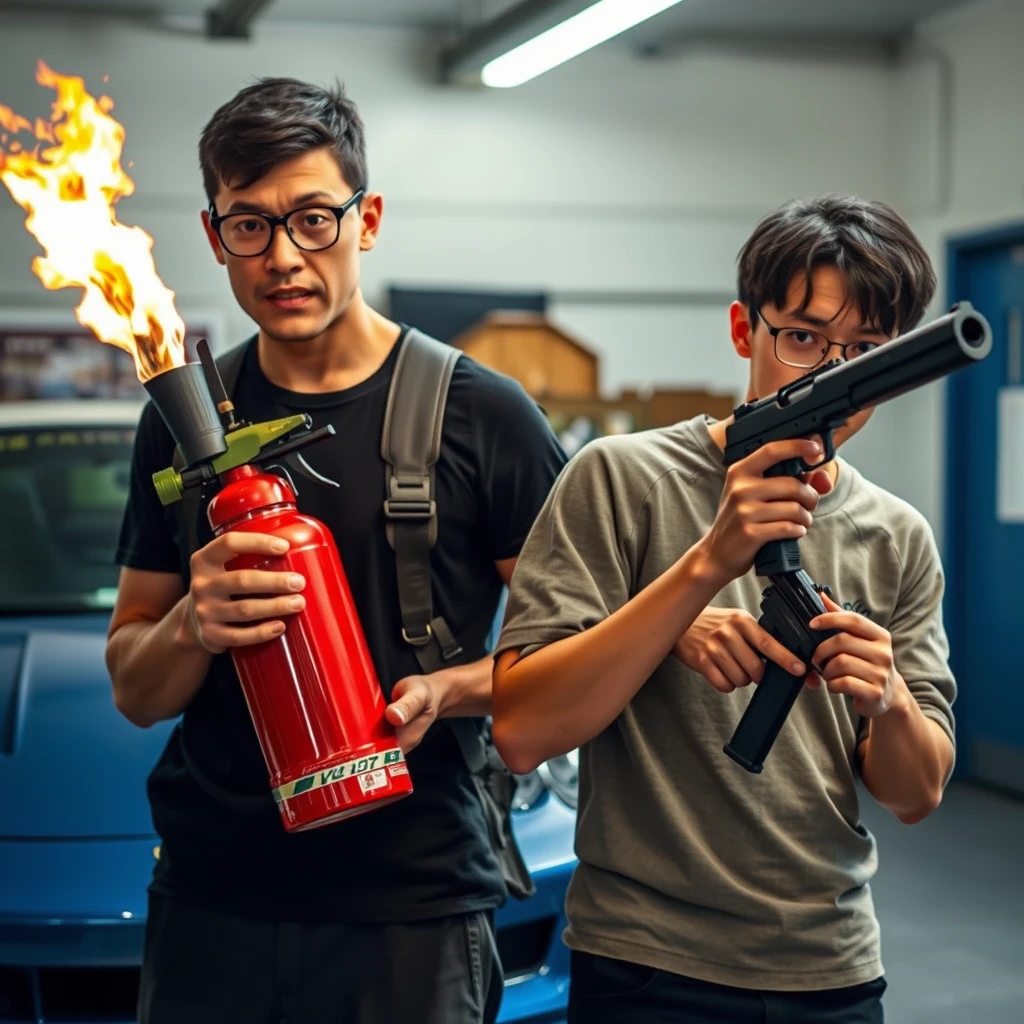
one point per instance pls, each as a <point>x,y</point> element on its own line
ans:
<point>233,19</point>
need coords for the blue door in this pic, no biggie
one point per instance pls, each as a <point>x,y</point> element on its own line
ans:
<point>984,533</point>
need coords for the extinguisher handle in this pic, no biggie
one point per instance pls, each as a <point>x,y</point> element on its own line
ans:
<point>293,450</point>
<point>294,444</point>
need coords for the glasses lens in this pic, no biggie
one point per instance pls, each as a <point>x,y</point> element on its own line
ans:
<point>860,348</point>
<point>800,348</point>
<point>245,234</point>
<point>313,228</point>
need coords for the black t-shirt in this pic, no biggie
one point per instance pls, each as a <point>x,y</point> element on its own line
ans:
<point>427,855</point>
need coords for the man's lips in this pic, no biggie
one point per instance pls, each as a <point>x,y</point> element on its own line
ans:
<point>289,296</point>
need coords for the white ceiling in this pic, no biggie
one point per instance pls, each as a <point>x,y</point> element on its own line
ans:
<point>880,20</point>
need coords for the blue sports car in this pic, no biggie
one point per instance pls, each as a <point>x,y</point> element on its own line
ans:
<point>77,845</point>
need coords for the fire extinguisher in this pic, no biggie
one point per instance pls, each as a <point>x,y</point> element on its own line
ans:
<point>313,693</point>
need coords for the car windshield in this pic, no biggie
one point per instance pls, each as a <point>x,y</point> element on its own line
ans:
<point>62,492</point>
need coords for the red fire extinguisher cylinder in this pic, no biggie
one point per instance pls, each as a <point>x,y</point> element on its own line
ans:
<point>313,692</point>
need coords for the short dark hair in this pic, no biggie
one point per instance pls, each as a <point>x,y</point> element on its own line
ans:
<point>890,277</point>
<point>274,120</point>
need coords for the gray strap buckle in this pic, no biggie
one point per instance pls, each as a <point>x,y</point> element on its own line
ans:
<point>410,499</point>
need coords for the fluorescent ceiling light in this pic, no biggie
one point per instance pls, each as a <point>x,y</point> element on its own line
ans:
<point>582,32</point>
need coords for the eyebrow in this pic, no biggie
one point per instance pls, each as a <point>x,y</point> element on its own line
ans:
<point>241,206</point>
<point>816,321</point>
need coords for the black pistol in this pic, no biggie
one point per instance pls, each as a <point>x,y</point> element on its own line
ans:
<point>814,406</point>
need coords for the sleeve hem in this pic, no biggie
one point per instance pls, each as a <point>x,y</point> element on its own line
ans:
<point>937,716</point>
<point>526,636</point>
<point>131,559</point>
<point>510,550</point>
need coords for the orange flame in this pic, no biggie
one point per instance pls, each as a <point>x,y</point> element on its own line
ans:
<point>68,190</point>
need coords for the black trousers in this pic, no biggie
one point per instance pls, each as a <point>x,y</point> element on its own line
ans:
<point>604,991</point>
<point>201,967</point>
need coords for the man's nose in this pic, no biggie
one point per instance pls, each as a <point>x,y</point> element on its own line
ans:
<point>841,346</point>
<point>283,255</point>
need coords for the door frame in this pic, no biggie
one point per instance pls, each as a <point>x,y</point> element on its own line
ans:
<point>959,248</point>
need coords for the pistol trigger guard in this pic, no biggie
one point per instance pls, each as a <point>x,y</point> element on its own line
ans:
<point>830,451</point>
<point>829,455</point>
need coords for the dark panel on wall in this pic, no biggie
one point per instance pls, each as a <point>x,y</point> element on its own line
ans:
<point>446,314</point>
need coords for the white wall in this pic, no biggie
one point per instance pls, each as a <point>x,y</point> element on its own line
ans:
<point>610,173</point>
<point>958,146</point>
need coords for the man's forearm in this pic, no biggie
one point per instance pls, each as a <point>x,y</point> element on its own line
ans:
<point>466,689</point>
<point>906,760</point>
<point>566,693</point>
<point>156,667</point>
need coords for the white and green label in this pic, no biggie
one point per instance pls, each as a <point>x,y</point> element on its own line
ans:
<point>337,773</point>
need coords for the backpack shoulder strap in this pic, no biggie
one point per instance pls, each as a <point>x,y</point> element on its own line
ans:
<point>410,447</point>
<point>229,366</point>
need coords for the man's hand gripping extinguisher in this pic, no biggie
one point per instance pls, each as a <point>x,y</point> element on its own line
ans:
<point>313,693</point>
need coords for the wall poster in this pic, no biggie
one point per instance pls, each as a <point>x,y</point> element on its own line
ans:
<point>50,355</point>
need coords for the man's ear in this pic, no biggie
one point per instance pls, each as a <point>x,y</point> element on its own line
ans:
<point>211,237</point>
<point>371,212</point>
<point>741,330</point>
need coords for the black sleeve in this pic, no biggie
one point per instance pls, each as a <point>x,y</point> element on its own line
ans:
<point>146,540</point>
<point>518,459</point>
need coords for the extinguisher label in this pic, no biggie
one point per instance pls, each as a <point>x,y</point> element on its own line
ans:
<point>370,781</point>
<point>371,772</point>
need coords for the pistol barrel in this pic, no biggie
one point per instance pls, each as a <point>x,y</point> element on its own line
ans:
<point>822,401</point>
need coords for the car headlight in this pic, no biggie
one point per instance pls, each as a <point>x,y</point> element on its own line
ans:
<point>560,776</point>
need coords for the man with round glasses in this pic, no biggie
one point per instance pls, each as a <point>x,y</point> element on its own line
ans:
<point>311,228</point>
<point>387,916</point>
<point>705,894</point>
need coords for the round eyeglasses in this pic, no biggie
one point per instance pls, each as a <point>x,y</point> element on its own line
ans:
<point>311,228</point>
<point>805,349</point>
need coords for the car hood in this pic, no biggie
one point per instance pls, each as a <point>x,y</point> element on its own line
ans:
<point>71,766</point>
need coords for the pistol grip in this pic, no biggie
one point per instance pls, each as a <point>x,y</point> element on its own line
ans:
<point>777,558</point>
<point>780,556</point>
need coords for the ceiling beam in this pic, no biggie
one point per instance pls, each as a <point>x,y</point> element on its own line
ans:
<point>233,19</point>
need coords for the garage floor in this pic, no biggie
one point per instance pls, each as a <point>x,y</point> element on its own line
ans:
<point>950,897</point>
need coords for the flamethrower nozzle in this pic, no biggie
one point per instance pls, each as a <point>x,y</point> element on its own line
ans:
<point>193,403</point>
<point>182,398</point>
